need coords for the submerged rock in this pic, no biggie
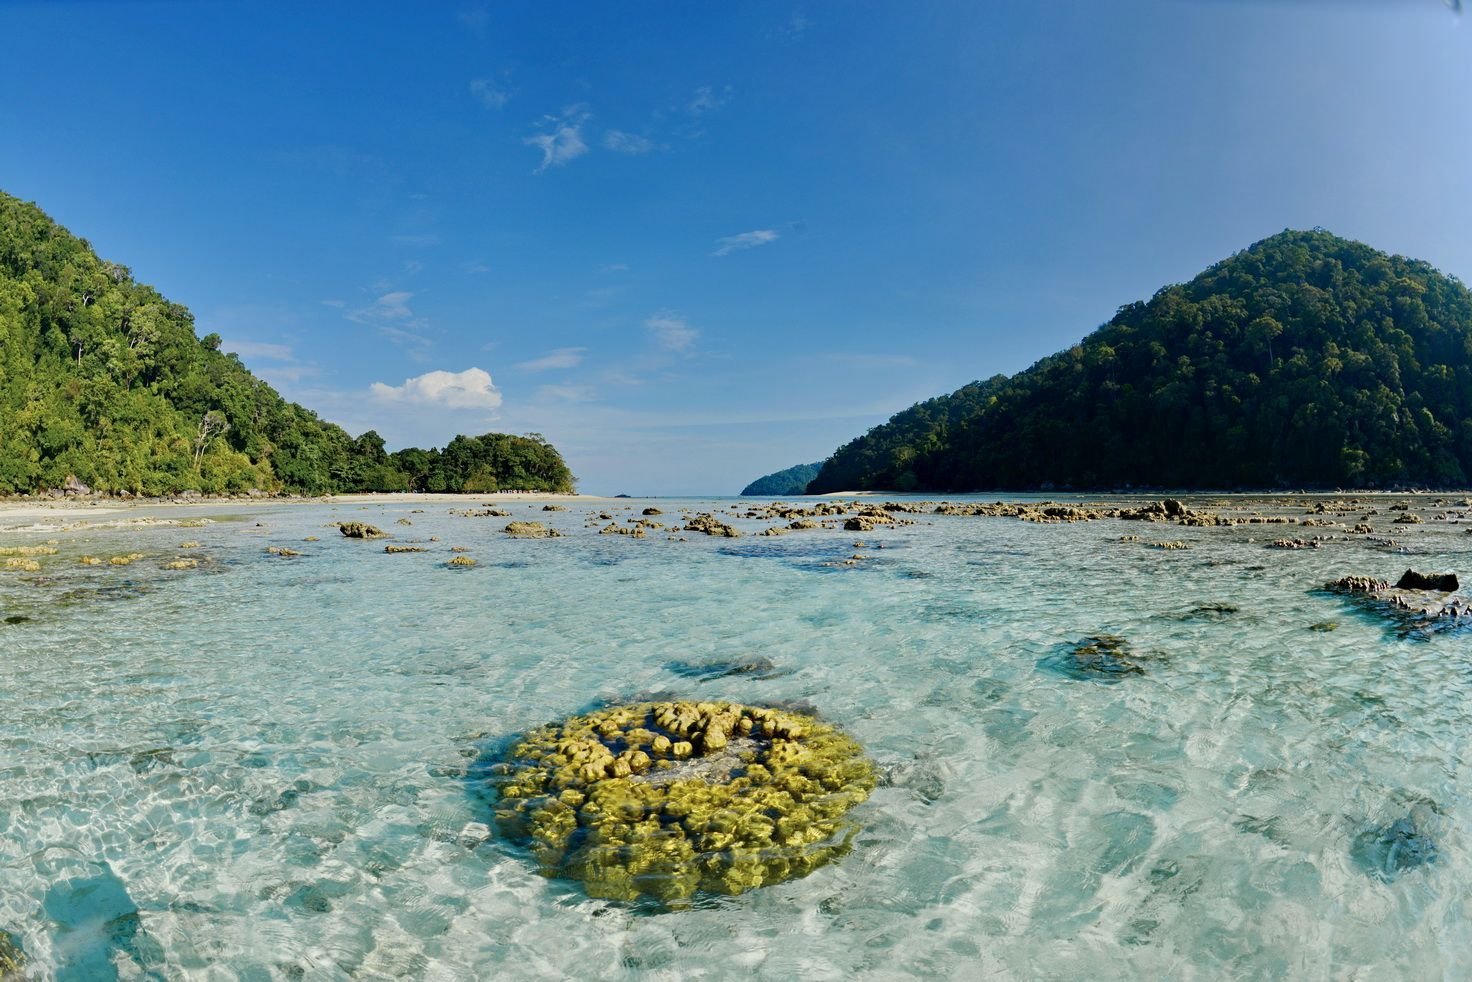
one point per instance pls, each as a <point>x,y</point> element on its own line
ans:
<point>1386,851</point>
<point>1103,658</point>
<point>662,800</point>
<point>756,666</point>
<point>361,530</point>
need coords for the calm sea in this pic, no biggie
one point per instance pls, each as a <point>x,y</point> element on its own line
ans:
<point>256,769</point>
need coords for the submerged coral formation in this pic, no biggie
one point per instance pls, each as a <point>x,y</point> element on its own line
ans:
<point>661,800</point>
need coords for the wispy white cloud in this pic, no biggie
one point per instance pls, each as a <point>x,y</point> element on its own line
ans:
<point>567,393</point>
<point>490,95</point>
<point>258,349</point>
<point>614,268</point>
<point>746,240</point>
<point>561,137</point>
<point>671,332</point>
<point>392,317</point>
<point>339,304</point>
<point>707,99</point>
<point>470,389</point>
<point>630,143</point>
<point>391,306</point>
<point>561,358</point>
<point>475,266</point>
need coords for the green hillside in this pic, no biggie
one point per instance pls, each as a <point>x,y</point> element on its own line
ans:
<point>1305,360</point>
<point>793,480</point>
<point>105,381</point>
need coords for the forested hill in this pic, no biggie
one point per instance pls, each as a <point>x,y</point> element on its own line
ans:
<point>1305,360</point>
<point>105,381</point>
<point>793,480</point>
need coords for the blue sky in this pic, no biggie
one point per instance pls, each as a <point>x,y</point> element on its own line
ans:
<point>696,242</point>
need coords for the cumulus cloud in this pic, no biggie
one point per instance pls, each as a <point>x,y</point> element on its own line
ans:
<point>488,93</point>
<point>746,240</point>
<point>560,358</point>
<point>630,143</point>
<point>672,332</point>
<point>470,389</point>
<point>561,138</point>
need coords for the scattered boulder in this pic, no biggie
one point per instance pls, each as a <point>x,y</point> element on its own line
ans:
<point>461,562</point>
<point>553,508</point>
<point>282,551</point>
<point>396,550</point>
<point>653,511</point>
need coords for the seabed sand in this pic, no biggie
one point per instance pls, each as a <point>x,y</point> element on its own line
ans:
<point>15,513</point>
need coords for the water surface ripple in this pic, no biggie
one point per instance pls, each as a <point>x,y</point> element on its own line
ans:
<point>257,768</point>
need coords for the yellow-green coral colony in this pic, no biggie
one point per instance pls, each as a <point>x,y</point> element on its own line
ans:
<point>662,800</point>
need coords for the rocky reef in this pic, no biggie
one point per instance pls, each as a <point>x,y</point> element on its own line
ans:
<point>1417,605</point>
<point>661,800</point>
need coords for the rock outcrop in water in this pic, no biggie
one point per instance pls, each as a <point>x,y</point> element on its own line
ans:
<point>711,525</point>
<point>666,799</point>
<point>361,530</point>
<point>1440,582</point>
<point>1416,611</point>
<point>530,530</point>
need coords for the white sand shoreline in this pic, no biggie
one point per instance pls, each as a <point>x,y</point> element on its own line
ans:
<point>73,509</point>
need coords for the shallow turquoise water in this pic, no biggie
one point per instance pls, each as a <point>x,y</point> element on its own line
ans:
<point>256,769</point>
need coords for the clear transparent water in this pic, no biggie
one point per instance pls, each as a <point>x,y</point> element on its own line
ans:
<point>256,769</point>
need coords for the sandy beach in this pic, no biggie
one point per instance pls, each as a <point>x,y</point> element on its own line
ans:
<point>24,512</point>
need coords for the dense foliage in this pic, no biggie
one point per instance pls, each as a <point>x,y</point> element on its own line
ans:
<point>794,480</point>
<point>104,380</point>
<point>1305,360</point>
